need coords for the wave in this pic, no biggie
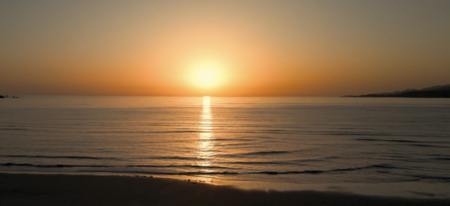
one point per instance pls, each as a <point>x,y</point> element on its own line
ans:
<point>441,178</point>
<point>166,173</point>
<point>103,132</point>
<point>137,132</point>
<point>291,172</point>
<point>409,142</point>
<point>275,152</point>
<point>220,171</point>
<point>178,166</point>
<point>181,158</point>
<point>235,139</point>
<point>263,163</point>
<point>427,145</point>
<point>262,153</point>
<point>357,134</point>
<point>384,166</point>
<point>59,157</point>
<point>388,140</point>
<point>10,164</point>
<point>13,129</point>
<point>254,173</point>
<point>48,166</point>
<point>288,162</point>
<point>379,134</point>
<point>173,158</point>
<point>442,158</point>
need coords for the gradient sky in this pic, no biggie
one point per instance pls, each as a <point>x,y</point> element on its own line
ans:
<point>261,48</point>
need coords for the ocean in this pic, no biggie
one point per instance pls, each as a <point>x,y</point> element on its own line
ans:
<point>279,140</point>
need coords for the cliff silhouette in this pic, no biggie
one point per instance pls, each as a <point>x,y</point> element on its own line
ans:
<point>441,91</point>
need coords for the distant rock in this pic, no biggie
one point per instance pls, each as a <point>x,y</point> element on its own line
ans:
<point>1,96</point>
<point>442,91</point>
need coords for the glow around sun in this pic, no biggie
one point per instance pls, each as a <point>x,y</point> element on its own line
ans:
<point>207,76</point>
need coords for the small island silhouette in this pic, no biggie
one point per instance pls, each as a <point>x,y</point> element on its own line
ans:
<point>441,91</point>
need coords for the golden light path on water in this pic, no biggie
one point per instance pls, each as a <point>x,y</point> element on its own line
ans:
<point>205,146</point>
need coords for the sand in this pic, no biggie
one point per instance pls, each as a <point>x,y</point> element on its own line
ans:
<point>41,189</point>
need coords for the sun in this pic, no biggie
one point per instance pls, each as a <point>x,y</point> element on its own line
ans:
<point>207,75</point>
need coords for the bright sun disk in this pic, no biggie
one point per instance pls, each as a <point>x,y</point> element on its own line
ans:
<point>207,76</point>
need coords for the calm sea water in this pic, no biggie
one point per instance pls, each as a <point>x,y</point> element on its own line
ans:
<point>287,140</point>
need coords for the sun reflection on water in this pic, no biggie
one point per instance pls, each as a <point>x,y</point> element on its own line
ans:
<point>205,145</point>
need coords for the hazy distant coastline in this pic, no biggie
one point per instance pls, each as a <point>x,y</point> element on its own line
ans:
<point>441,91</point>
<point>6,96</point>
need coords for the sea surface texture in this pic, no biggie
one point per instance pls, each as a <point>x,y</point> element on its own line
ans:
<point>282,140</point>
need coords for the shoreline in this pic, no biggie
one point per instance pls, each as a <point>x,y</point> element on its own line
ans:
<point>64,189</point>
<point>407,189</point>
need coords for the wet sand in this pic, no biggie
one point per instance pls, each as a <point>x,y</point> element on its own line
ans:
<point>38,189</point>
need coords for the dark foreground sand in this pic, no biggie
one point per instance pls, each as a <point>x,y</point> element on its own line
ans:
<point>27,189</point>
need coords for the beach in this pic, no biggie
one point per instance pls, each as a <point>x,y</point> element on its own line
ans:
<point>45,189</point>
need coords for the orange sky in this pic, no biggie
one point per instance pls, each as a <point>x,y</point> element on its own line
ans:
<point>259,48</point>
